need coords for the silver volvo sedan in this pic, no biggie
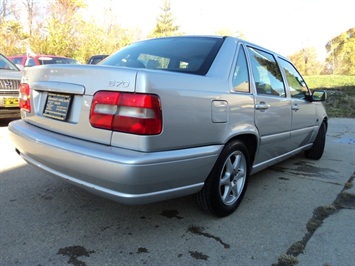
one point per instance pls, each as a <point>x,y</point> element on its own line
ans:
<point>169,117</point>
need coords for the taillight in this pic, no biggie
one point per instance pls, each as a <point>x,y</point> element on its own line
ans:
<point>127,112</point>
<point>24,97</point>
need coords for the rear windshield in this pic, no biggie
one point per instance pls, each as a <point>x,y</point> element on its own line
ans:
<point>56,60</point>
<point>180,54</point>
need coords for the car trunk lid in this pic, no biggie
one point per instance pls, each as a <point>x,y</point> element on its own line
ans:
<point>61,97</point>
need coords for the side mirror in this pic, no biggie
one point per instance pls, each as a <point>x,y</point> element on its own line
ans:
<point>319,96</point>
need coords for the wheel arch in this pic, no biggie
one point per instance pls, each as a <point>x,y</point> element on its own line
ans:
<point>250,141</point>
<point>325,121</point>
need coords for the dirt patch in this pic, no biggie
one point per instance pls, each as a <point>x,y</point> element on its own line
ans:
<point>73,252</point>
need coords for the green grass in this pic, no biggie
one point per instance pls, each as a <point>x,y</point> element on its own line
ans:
<point>330,81</point>
<point>341,93</point>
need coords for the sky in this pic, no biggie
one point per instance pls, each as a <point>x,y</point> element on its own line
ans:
<point>284,26</point>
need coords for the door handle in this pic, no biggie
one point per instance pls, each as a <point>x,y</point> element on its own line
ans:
<point>295,107</point>
<point>262,106</point>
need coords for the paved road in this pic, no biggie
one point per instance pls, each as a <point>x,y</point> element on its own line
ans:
<point>300,207</point>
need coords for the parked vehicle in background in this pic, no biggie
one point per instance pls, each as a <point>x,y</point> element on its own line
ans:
<point>168,117</point>
<point>10,78</point>
<point>96,59</point>
<point>36,60</point>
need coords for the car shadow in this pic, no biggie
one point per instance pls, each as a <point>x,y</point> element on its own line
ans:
<point>4,122</point>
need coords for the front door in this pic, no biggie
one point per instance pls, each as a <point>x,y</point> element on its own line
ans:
<point>303,111</point>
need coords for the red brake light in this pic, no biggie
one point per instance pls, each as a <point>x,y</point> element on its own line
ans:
<point>25,97</point>
<point>127,112</point>
<point>103,109</point>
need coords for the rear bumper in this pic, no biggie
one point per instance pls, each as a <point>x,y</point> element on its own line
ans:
<point>126,176</point>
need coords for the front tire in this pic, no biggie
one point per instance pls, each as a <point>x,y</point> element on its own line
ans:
<point>317,149</point>
<point>225,186</point>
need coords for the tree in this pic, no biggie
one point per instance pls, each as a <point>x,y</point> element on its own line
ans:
<point>306,61</point>
<point>11,31</point>
<point>165,22</point>
<point>103,37</point>
<point>101,40</point>
<point>62,31</point>
<point>63,28</point>
<point>32,12</point>
<point>341,49</point>
<point>5,9</point>
<point>12,35</point>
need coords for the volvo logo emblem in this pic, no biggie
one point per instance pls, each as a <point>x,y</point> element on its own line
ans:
<point>8,84</point>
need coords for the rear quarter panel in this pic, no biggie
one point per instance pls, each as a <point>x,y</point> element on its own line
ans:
<point>188,107</point>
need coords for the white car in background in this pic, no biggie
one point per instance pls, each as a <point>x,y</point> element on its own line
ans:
<point>10,78</point>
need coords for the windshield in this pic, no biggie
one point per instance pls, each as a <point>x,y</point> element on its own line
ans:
<point>7,64</point>
<point>180,54</point>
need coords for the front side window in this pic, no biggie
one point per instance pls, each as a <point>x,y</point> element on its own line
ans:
<point>296,84</point>
<point>267,75</point>
<point>241,75</point>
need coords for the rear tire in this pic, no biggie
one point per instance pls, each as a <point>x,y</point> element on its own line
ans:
<point>225,186</point>
<point>317,149</point>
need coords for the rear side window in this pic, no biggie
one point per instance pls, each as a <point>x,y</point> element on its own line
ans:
<point>241,74</point>
<point>267,75</point>
<point>296,84</point>
<point>178,54</point>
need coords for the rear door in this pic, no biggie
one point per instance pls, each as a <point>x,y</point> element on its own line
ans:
<point>272,107</point>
